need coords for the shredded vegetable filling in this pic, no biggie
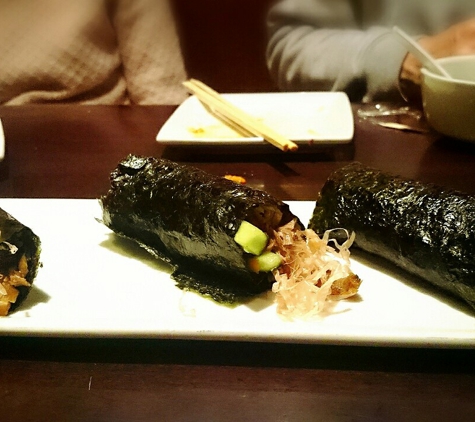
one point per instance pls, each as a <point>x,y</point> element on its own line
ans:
<point>312,271</point>
<point>9,284</point>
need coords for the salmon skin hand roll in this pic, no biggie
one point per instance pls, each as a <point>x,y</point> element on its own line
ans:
<point>425,229</point>
<point>190,219</point>
<point>19,261</point>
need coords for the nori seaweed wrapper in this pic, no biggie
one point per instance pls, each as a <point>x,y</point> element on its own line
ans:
<point>16,241</point>
<point>189,218</point>
<point>425,229</point>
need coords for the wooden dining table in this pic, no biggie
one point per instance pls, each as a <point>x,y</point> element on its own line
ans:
<point>68,151</point>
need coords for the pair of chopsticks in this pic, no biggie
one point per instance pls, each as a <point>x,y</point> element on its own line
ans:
<point>235,117</point>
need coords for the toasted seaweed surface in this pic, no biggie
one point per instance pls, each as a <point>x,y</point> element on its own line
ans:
<point>189,218</point>
<point>425,229</point>
<point>17,240</point>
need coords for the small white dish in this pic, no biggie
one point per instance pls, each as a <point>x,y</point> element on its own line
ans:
<point>303,117</point>
<point>449,104</point>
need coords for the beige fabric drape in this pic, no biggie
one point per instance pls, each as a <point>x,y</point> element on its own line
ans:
<point>90,52</point>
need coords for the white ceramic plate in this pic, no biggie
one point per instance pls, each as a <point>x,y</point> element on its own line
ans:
<point>303,117</point>
<point>93,284</point>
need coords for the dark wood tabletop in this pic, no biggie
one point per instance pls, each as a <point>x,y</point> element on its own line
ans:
<point>68,152</point>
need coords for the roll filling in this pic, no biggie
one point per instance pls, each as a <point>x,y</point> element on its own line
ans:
<point>19,261</point>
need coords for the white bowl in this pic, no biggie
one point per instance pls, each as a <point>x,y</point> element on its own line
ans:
<point>449,105</point>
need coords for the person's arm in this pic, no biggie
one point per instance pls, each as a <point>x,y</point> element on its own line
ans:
<point>457,40</point>
<point>317,45</point>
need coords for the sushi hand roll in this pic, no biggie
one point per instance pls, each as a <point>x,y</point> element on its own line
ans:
<point>190,218</point>
<point>425,229</point>
<point>225,240</point>
<point>19,261</point>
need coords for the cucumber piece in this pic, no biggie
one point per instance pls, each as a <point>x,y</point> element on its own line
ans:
<point>266,262</point>
<point>251,239</point>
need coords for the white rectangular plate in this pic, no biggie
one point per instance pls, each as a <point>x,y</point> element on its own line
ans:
<point>94,284</point>
<point>303,117</point>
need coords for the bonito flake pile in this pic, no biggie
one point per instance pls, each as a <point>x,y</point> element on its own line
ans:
<point>313,271</point>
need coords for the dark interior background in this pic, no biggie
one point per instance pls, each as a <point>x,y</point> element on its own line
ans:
<point>224,43</point>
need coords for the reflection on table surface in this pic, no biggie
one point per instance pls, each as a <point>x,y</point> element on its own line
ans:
<point>69,151</point>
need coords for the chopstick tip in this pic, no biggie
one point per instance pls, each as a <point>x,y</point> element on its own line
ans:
<point>291,147</point>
